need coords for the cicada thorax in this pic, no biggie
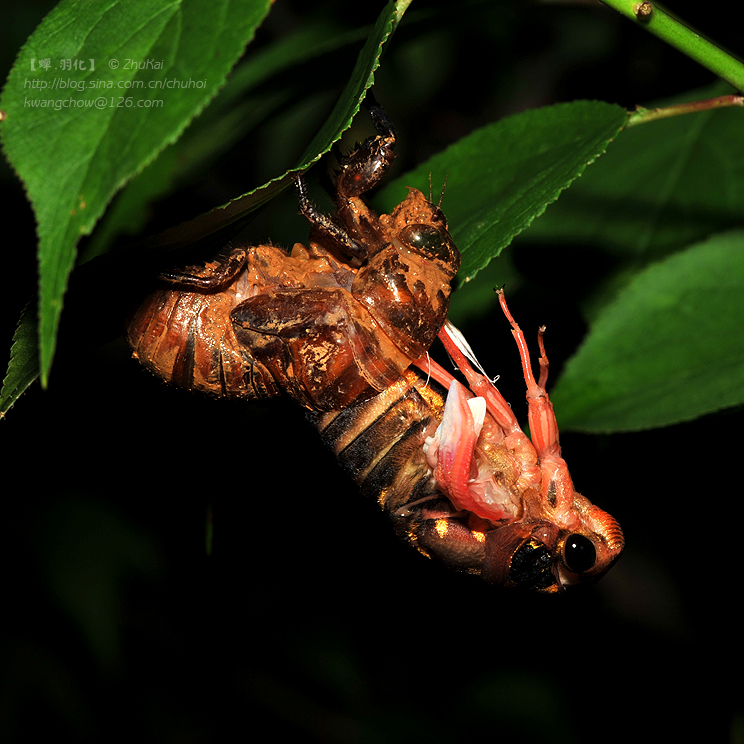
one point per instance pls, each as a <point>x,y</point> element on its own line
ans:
<point>406,284</point>
<point>329,324</point>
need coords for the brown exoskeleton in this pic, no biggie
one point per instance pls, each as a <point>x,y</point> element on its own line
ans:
<point>465,485</point>
<point>329,324</point>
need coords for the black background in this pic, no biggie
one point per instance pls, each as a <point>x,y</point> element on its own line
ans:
<point>309,619</point>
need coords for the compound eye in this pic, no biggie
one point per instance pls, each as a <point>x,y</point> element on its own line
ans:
<point>579,553</point>
<point>532,566</point>
<point>427,240</point>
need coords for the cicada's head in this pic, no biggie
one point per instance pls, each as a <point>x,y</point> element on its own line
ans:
<point>546,557</point>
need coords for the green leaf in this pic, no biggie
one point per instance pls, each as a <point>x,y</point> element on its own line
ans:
<point>340,119</point>
<point>362,77</point>
<point>669,348</point>
<point>661,185</point>
<point>79,129</point>
<point>234,112</point>
<point>23,368</point>
<point>504,175</point>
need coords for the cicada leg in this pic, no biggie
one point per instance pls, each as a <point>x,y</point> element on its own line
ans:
<point>434,370</point>
<point>557,487</point>
<point>211,277</point>
<point>543,424</point>
<point>353,226</point>
<point>480,385</point>
<point>550,470</point>
<point>361,169</point>
<point>325,224</point>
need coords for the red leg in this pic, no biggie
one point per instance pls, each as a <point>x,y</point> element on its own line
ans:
<point>429,367</point>
<point>479,384</point>
<point>543,358</point>
<point>543,425</point>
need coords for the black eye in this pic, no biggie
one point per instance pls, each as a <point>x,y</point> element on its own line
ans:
<point>532,566</point>
<point>579,553</point>
<point>428,240</point>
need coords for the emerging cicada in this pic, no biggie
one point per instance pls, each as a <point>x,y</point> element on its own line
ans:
<point>465,485</point>
<point>331,323</point>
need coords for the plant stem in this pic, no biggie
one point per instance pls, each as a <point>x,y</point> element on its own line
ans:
<point>660,23</point>
<point>643,116</point>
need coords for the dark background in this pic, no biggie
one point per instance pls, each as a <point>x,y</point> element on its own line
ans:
<point>309,619</point>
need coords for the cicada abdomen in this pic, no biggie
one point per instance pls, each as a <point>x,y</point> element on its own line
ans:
<point>465,485</point>
<point>328,324</point>
<point>187,339</point>
<point>379,441</point>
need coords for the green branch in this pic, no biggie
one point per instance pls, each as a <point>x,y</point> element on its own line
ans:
<point>660,23</point>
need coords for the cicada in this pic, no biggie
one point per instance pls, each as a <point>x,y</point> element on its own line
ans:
<point>464,484</point>
<point>331,323</point>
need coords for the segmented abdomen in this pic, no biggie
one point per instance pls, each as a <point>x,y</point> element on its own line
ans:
<point>380,441</point>
<point>188,339</point>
